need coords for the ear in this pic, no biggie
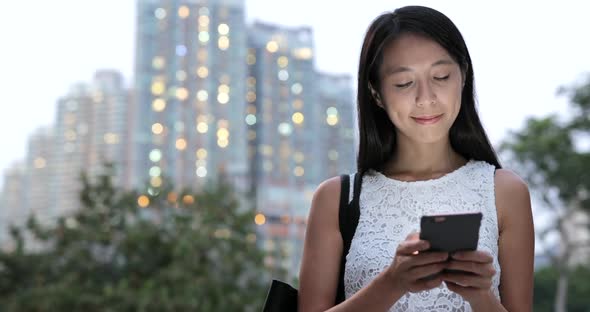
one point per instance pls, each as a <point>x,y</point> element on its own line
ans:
<point>376,96</point>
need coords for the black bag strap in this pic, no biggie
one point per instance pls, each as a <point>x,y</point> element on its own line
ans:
<point>348,218</point>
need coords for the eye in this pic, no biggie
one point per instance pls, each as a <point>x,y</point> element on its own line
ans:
<point>403,85</point>
<point>442,78</point>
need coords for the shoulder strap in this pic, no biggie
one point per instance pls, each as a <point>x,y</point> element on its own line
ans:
<point>348,217</point>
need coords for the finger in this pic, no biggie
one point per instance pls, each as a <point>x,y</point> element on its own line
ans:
<point>428,258</point>
<point>483,269</point>
<point>419,272</point>
<point>467,280</point>
<point>476,256</point>
<point>422,285</point>
<point>410,247</point>
<point>413,236</point>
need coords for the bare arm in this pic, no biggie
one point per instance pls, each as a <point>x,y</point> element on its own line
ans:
<point>517,241</point>
<point>318,277</point>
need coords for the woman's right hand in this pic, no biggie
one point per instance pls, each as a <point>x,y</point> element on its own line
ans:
<point>413,269</point>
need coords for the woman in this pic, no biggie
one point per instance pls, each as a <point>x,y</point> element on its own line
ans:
<point>422,151</point>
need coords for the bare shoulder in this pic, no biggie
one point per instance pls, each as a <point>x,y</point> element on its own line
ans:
<point>512,196</point>
<point>326,201</point>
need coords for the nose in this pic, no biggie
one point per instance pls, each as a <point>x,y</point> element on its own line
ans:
<point>425,94</point>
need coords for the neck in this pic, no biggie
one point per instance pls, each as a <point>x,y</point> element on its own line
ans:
<point>423,160</point>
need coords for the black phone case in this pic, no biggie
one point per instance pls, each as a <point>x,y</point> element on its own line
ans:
<point>451,233</point>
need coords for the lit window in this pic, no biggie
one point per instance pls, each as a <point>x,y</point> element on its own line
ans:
<point>201,153</point>
<point>158,62</point>
<point>181,75</point>
<point>156,181</point>
<point>332,120</point>
<point>203,36</point>
<point>223,43</point>
<point>298,171</point>
<point>283,61</point>
<point>155,171</point>
<point>223,29</point>
<point>159,105</point>
<point>251,59</point>
<point>143,201</point>
<point>155,155</point>
<point>181,50</point>
<point>251,96</point>
<point>223,88</point>
<point>332,111</point>
<point>222,133</point>
<point>297,88</point>
<point>283,75</point>
<point>201,172</point>
<point>180,144</point>
<point>111,138</point>
<point>188,199</point>
<point>157,128</point>
<point>183,11</point>
<point>260,219</point>
<point>222,143</point>
<point>204,20</point>
<point>160,13</point>
<point>250,120</point>
<point>181,94</point>
<point>158,88</point>
<point>202,127</point>
<point>272,46</point>
<point>202,72</point>
<point>303,53</point>
<point>39,162</point>
<point>202,95</point>
<point>285,129</point>
<point>333,155</point>
<point>298,118</point>
<point>223,98</point>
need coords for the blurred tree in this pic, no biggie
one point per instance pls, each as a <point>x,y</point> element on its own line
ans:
<point>122,251</point>
<point>547,154</point>
<point>545,287</point>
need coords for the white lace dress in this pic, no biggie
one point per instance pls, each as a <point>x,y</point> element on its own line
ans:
<point>391,209</point>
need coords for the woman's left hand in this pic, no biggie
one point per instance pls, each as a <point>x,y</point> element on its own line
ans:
<point>474,282</point>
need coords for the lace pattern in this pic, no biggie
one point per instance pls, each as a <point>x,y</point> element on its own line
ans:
<point>391,209</point>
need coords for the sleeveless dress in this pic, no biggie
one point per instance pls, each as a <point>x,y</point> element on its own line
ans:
<point>391,209</point>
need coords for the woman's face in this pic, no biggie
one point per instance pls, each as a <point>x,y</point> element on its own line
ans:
<point>421,88</point>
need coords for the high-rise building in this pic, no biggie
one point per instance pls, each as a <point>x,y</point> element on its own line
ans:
<point>39,171</point>
<point>91,131</point>
<point>189,106</point>
<point>336,102</point>
<point>300,133</point>
<point>12,210</point>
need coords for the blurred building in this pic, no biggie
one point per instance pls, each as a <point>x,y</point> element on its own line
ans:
<point>300,133</point>
<point>91,130</point>
<point>190,94</point>
<point>39,171</point>
<point>12,210</point>
<point>336,119</point>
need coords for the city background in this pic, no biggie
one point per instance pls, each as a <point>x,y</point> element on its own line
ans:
<point>260,94</point>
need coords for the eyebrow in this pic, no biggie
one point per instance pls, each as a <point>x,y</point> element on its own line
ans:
<point>394,70</point>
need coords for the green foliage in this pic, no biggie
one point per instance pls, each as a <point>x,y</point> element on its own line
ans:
<point>578,290</point>
<point>183,251</point>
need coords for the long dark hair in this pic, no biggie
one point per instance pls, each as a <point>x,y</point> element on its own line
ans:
<point>377,132</point>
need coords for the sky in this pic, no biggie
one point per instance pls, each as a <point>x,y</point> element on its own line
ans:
<point>522,51</point>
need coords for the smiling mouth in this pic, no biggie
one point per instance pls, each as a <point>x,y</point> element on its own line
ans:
<point>427,119</point>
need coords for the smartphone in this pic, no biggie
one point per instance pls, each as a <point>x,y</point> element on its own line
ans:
<point>451,232</point>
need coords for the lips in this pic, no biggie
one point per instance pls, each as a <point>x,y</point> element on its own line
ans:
<point>425,120</point>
